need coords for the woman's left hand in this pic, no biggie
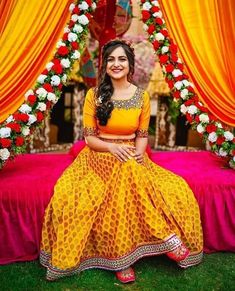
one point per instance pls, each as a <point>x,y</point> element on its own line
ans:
<point>139,157</point>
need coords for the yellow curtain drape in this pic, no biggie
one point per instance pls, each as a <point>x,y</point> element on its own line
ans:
<point>29,30</point>
<point>205,34</point>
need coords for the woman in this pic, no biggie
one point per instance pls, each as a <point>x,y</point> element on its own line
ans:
<point>113,206</point>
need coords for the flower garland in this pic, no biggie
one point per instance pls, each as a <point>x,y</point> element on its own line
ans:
<point>222,141</point>
<point>16,130</point>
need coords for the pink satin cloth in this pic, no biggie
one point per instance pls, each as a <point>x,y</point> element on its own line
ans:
<point>26,186</point>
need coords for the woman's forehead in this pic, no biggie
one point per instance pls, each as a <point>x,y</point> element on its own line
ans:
<point>117,52</point>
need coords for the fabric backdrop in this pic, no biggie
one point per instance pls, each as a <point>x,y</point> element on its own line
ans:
<point>29,30</point>
<point>205,34</point>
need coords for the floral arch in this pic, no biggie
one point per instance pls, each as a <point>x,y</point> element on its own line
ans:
<point>15,131</point>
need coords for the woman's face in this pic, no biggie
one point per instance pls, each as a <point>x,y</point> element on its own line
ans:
<point>117,64</point>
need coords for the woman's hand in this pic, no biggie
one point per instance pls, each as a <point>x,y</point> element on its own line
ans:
<point>139,157</point>
<point>121,152</point>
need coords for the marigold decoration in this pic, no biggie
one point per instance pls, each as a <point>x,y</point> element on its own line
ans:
<point>16,130</point>
<point>221,140</point>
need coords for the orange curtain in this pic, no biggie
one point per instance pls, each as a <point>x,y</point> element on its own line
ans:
<point>205,34</point>
<point>29,30</point>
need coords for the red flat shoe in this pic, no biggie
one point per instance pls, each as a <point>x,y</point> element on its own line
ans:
<point>126,276</point>
<point>179,254</point>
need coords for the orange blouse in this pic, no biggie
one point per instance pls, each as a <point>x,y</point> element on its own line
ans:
<point>130,116</point>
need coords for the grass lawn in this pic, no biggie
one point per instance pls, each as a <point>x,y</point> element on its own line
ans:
<point>217,272</point>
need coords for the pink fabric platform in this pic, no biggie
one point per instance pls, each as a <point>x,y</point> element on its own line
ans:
<point>26,186</point>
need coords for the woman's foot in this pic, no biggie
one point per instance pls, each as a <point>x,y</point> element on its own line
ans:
<point>179,254</point>
<point>126,276</point>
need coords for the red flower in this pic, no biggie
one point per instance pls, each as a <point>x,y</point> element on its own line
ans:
<point>40,116</point>
<point>31,99</point>
<point>164,32</point>
<point>76,10</point>
<point>14,126</point>
<point>170,83</point>
<point>65,36</point>
<point>169,68</point>
<point>197,119</point>
<point>220,140</point>
<point>154,9</point>
<point>48,104</point>
<point>190,88</point>
<point>174,57</point>
<point>19,141</point>
<point>173,48</point>
<point>60,86</point>
<point>158,21</point>
<point>45,72</point>
<point>71,24</point>
<point>21,117</point>
<point>5,142</point>
<point>155,44</point>
<point>57,68</point>
<point>189,102</point>
<point>233,152</point>
<point>89,2</point>
<point>48,87</point>
<point>189,117</point>
<point>210,128</point>
<point>88,15</point>
<point>179,78</point>
<point>163,59</point>
<point>63,50</point>
<point>176,94</point>
<point>151,28</point>
<point>145,15</point>
<point>74,45</point>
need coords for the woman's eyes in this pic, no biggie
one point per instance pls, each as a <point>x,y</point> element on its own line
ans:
<point>121,60</point>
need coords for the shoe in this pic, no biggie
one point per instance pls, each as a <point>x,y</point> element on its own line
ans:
<point>179,254</point>
<point>126,275</point>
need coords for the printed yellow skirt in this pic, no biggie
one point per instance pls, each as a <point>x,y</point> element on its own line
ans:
<point>107,214</point>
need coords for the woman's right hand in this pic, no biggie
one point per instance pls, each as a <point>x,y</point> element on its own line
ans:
<point>121,152</point>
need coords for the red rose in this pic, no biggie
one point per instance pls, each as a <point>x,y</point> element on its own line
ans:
<point>19,141</point>
<point>197,119</point>
<point>145,15</point>
<point>176,94</point>
<point>65,36</point>
<point>179,78</point>
<point>151,28</point>
<point>71,24</point>
<point>169,68</point>
<point>233,152</point>
<point>21,117</point>
<point>170,84</point>
<point>48,87</point>
<point>31,99</point>
<point>190,88</point>
<point>189,117</point>
<point>45,72</point>
<point>163,59</point>
<point>154,9</point>
<point>76,10</point>
<point>14,126</point>
<point>88,15</point>
<point>180,66</point>
<point>174,57</point>
<point>89,2</point>
<point>48,104</point>
<point>155,44</point>
<point>173,48</point>
<point>210,128</point>
<point>164,32</point>
<point>60,86</point>
<point>63,50</point>
<point>40,116</point>
<point>189,102</point>
<point>74,45</point>
<point>56,61</point>
<point>220,140</point>
<point>5,142</point>
<point>158,21</point>
<point>57,69</point>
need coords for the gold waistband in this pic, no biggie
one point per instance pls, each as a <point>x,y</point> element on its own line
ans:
<point>114,136</point>
<point>119,140</point>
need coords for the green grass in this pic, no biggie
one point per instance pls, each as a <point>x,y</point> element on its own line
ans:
<point>217,272</point>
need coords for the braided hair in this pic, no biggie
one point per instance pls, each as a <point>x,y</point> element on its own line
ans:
<point>105,87</point>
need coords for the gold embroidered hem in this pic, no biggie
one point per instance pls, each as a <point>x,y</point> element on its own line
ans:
<point>141,133</point>
<point>90,131</point>
<point>104,211</point>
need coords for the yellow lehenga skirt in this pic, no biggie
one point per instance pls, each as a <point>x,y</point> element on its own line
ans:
<point>108,214</point>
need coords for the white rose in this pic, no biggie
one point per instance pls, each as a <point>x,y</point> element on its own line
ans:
<point>10,119</point>
<point>28,93</point>
<point>65,63</point>
<point>51,97</point>
<point>155,3</point>
<point>228,135</point>
<point>59,44</point>
<point>72,37</point>
<point>219,125</point>
<point>83,20</point>
<point>186,83</point>
<point>212,137</point>
<point>64,78</point>
<point>184,93</point>
<point>41,106</point>
<point>25,131</point>
<point>176,73</point>
<point>55,80</point>
<point>76,55</point>
<point>159,36</point>
<point>183,109</point>
<point>204,118</point>
<point>71,7</point>
<point>147,6</point>
<point>25,108</point>
<point>78,28</point>
<point>42,93</point>
<point>4,154</point>
<point>200,128</point>
<point>41,79</point>
<point>49,66</point>
<point>157,14</point>
<point>74,17</point>
<point>192,109</point>
<point>93,6</point>
<point>165,49</point>
<point>66,29</point>
<point>178,85</point>
<point>32,119</point>
<point>83,5</point>
<point>5,132</point>
<point>222,153</point>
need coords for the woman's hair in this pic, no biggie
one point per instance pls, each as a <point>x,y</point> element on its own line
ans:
<point>105,87</point>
